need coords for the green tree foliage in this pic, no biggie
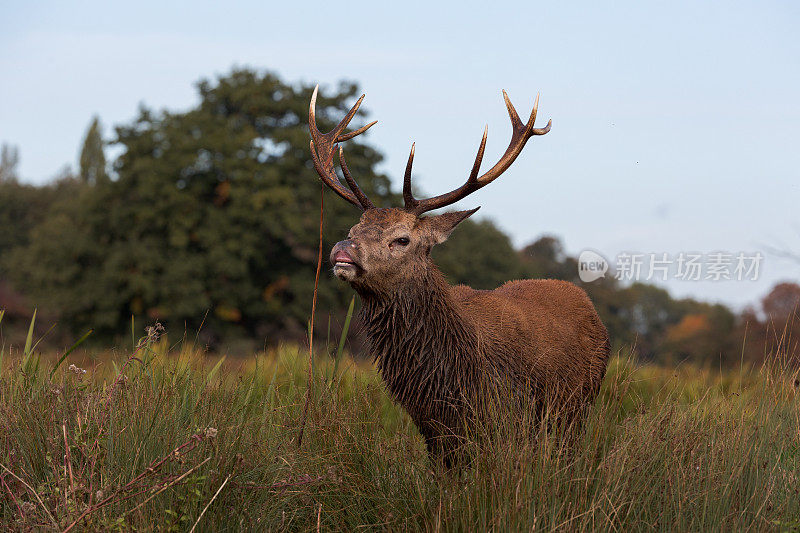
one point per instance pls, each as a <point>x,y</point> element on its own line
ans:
<point>214,212</point>
<point>23,207</point>
<point>93,159</point>
<point>545,258</point>
<point>479,255</point>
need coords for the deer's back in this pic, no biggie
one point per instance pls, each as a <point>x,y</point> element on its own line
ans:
<point>545,329</point>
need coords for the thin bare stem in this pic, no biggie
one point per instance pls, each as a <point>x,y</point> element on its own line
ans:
<point>214,497</point>
<point>68,460</point>
<point>311,325</point>
<point>170,484</point>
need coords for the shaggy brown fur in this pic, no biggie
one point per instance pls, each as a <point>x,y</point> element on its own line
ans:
<point>440,349</point>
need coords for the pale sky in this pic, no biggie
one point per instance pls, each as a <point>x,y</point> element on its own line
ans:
<point>675,124</point>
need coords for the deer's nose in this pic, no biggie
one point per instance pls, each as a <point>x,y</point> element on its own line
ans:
<point>344,251</point>
<point>347,244</point>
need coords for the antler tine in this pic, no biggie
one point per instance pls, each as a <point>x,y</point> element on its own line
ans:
<point>538,131</point>
<point>476,166</point>
<point>512,113</point>
<point>362,198</point>
<point>323,146</point>
<point>519,136</point>
<point>408,197</point>
<point>359,131</point>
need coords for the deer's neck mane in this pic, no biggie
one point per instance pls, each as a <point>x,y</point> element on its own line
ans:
<point>424,347</point>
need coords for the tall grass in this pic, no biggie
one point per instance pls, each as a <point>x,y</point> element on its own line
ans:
<point>171,440</point>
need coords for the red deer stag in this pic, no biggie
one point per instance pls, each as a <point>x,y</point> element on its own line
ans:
<point>440,349</point>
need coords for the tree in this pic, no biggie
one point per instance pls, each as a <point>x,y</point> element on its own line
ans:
<point>545,258</point>
<point>93,159</point>
<point>9,159</point>
<point>22,208</point>
<point>478,254</point>
<point>773,334</point>
<point>704,334</point>
<point>214,212</point>
<point>782,302</point>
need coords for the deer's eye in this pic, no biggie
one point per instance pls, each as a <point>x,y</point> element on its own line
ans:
<point>402,241</point>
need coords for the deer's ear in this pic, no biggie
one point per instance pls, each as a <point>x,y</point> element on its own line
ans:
<point>441,226</point>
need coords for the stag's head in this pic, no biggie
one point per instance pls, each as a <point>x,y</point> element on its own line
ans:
<point>390,247</point>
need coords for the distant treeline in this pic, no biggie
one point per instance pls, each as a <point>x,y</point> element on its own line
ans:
<point>208,222</point>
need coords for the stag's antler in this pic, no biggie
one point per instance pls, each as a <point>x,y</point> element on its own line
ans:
<point>323,146</point>
<point>520,135</point>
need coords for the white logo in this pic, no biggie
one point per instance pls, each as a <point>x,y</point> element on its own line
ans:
<point>591,266</point>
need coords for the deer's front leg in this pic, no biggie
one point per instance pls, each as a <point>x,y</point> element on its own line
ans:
<point>442,446</point>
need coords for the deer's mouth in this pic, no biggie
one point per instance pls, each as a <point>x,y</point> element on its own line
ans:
<point>344,262</point>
